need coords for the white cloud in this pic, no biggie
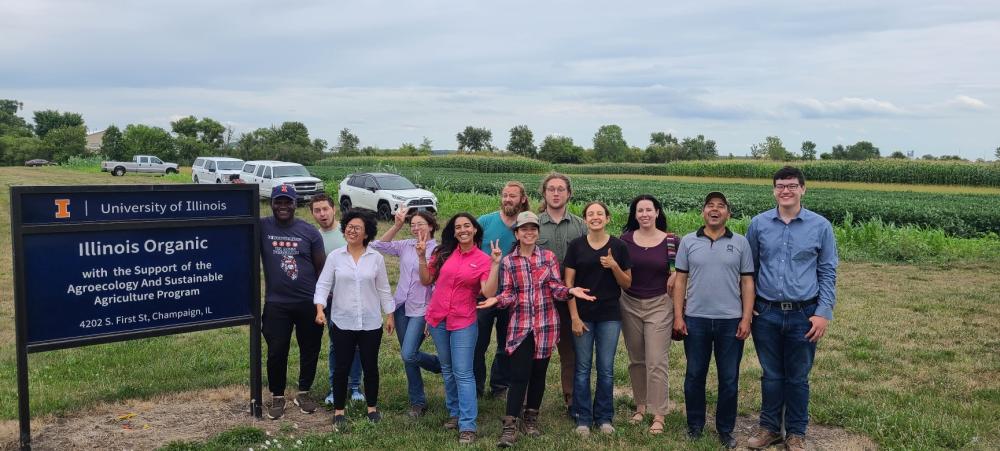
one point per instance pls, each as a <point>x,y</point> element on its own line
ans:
<point>847,107</point>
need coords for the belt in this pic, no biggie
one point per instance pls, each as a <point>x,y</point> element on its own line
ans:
<point>789,305</point>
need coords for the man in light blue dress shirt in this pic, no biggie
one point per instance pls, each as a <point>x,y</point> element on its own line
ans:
<point>795,256</point>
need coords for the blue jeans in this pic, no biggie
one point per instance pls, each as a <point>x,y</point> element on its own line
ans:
<point>410,332</point>
<point>455,349</point>
<point>354,381</point>
<point>703,335</point>
<point>602,335</point>
<point>786,356</point>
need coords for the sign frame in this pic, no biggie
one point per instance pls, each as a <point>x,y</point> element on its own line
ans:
<point>19,230</point>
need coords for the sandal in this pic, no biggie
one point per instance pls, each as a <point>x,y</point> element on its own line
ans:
<point>637,417</point>
<point>656,428</point>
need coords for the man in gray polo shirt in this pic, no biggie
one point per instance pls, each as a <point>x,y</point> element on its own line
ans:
<point>715,281</point>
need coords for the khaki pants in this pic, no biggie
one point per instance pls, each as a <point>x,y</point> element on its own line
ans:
<point>647,325</point>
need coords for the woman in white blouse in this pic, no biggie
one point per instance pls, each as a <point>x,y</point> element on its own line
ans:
<point>361,295</point>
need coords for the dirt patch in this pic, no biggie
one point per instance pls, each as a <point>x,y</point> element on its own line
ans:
<point>198,415</point>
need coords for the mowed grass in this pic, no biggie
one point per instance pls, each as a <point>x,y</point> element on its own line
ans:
<point>910,361</point>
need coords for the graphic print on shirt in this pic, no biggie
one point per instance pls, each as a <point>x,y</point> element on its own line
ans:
<point>289,266</point>
<point>287,248</point>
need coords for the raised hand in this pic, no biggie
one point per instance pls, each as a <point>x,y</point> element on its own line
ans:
<point>421,246</point>
<point>495,252</point>
<point>489,302</point>
<point>609,261</point>
<point>580,294</point>
<point>400,218</point>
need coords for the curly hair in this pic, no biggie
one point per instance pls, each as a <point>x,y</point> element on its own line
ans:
<point>367,217</point>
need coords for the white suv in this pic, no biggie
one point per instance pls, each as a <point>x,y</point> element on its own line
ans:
<point>384,193</point>
<point>215,169</point>
<point>268,174</point>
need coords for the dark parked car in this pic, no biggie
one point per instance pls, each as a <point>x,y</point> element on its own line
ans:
<point>37,162</point>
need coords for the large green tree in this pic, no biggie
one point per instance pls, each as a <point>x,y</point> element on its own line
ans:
<point>522,142</point>
<point>662,139</point>
<point>610,145</point>
<point>289,142</point>
<point>808,150</point>
<point>662,148</point>
<point>141,139</point>
<point>772,148</point>
<point>560,149</point>
<point>47,120</point>
<point>347,143</point>
<point>10,123</point>
<point>699,148</point>
<point>113,144</point>
<point>862,150</point>
<point>65,142</point>
<point>475,139</point>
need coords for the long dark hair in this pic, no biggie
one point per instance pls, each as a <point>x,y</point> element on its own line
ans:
<point>449,243</point>
<point>633,224</point>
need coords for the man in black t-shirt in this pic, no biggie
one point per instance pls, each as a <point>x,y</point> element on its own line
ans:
<point>292,254</point>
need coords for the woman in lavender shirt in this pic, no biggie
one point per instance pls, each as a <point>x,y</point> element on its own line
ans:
<point>411,301</point>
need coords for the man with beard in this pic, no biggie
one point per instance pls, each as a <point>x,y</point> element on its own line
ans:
<point>292,255</point>
<point>325,215</point>
<point>557,227</point>
<point>496,226</point>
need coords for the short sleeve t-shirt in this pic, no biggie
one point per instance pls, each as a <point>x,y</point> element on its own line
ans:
<point>601,281</point>
<point>332,239</point>
<point>714,269</point>
<point>650,266</point>
<point>286,254</point>
<point>495,229</point>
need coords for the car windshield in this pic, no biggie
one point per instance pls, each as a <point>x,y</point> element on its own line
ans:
<point>290,171</point>
<point>230,165</point>
<point>394,182</point>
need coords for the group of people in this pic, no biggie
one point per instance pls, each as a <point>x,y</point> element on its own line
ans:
<point>555,282</point>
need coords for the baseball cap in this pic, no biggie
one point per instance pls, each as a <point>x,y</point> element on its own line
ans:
<point>716,195</point>
<point>284,191</point>
<point>525,217</point>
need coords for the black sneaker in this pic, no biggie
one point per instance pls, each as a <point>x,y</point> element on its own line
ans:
<point>375,416</point>
<point>339,423</point>
<point>694,434</point>
<point>305,403</point>
<point>727,440</point>
<point>277,408</point>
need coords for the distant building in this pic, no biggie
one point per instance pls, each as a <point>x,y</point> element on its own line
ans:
<point>94,141</point>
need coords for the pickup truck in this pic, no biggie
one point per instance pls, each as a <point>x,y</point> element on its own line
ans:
<point>268,174</point>
<point>140,164</point>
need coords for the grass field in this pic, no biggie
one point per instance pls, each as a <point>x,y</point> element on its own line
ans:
<point>910,361</point>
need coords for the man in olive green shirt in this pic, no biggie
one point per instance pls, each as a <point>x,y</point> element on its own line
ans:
<point>557,227</point>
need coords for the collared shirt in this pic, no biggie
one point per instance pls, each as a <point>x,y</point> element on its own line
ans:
<point>795,261</point>
<point>361,294</point>
<point>555,236</point>
<point>715,268</point>
<point>410,293</point>
<point>457,287</point>
<point>530,285</point>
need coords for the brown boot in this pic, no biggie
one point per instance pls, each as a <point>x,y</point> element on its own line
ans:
<point>763,438</point>
<point>530,423</point>
<point>795,443</point>
<point>508,435</point>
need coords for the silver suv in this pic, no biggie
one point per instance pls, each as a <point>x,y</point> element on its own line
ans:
<point>384,193</point>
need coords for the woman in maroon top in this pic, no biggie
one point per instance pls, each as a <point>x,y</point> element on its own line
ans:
<point>646,307</point>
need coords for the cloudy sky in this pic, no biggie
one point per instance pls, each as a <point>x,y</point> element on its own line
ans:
<point>906,75</point>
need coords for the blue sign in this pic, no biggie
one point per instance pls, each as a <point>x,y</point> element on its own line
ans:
<point>88,206</point>
<point>123,281</point>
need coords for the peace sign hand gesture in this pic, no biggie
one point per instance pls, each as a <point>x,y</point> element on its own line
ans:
<point>495,252</point>
<point>400,218</point>
<point>421,246</point>
<point>609,261</point>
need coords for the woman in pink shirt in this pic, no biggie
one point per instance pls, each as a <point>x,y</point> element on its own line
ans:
<point>460,272</point>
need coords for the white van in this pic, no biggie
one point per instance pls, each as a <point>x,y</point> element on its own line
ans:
<point>215,169</point>
<point>268,174</point>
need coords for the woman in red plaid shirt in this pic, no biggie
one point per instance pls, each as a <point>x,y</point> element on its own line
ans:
<point>531,285</point>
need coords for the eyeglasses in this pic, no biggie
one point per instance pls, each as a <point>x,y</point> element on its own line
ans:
<point>555,189</point>
<point>353,228</point>
<point>790,187</point>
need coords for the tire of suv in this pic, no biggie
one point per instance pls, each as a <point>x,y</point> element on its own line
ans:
<point>384,210</point>
<point>119,171</point>
<point>194,179</point>
<point>345,204</point>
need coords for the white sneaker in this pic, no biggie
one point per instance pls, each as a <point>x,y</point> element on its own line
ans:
<point>329,399</point>
<point>607,428</point>
<point>582,431</point>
